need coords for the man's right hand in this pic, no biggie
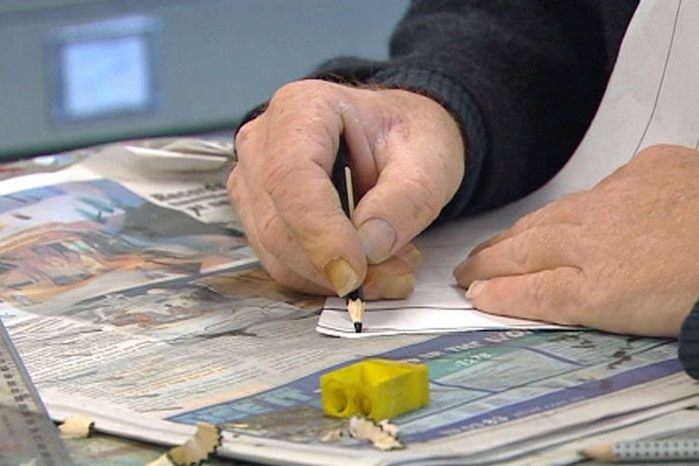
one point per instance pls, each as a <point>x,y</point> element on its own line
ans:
<point>407,158</point>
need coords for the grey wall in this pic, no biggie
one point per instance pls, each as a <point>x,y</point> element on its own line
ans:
<point>213,59</point>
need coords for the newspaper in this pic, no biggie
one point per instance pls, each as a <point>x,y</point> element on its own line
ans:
<point>132,308</point>
<point>675,424</point>
<point>133,298</point>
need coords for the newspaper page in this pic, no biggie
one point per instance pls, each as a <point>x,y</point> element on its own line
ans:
<point>676,424</point>
<point>149,317</point>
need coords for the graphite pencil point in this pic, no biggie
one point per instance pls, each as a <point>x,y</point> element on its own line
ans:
<point>355,308</point>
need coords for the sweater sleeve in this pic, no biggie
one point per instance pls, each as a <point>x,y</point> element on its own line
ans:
<point>523,79</point>
<point>689,343</point>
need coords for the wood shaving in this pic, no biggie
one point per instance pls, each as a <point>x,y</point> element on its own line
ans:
<point>195,450</point>
<point>332,436</point>
<point>76,427</point>
<point>383,436</point>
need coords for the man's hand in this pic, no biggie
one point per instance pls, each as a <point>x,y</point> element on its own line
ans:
<point>407,159</point>
<point>621,257</point>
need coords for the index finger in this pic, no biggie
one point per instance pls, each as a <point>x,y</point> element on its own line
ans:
<point>302,141</point>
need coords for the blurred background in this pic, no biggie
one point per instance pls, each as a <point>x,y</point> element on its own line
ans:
<point>80,72</point>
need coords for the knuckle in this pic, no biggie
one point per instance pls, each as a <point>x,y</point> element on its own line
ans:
<point>541,294</point>
<point>306,94</point>
<point>647,155</point>
<point>521,251</point>
<point>272,236</point>
<point>569,205</point>
<point>652,154</point>
<point>279,274</point>
<point>542,297</point>
<point>281,185</point>
<point>234,187</point>
<point>557,300</point>
<point>425,198</point>
<point>532,218</point>
<point>232,180</point>
<point>287,91</point>
<point>245,134</point>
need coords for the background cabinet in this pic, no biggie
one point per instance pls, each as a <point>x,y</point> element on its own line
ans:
<point>79,72</point>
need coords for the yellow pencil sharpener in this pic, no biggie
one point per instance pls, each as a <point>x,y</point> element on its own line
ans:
<point>376,388</point>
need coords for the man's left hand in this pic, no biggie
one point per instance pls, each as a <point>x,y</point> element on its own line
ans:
<point>621,257</point>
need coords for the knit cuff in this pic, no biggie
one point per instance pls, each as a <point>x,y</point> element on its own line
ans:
<point>462,106</point>
<point>688,351</point>
<point>350,71</point>
<point>443,90</point>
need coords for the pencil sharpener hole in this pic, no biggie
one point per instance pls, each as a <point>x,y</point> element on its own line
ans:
<point>364,405</point>
<point>339,401</point>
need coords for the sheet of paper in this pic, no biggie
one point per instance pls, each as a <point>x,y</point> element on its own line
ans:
<point>438,304</point>
<point>652,97</point>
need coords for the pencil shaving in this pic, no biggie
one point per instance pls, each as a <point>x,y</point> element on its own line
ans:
<point>76,427</point>
<point>383,435</point>
<point>388,427</point>
<point>334,435</point>
<point>195,450</point>
<point>162,460</point>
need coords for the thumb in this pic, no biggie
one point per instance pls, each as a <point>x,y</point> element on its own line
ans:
<point>417,176</point>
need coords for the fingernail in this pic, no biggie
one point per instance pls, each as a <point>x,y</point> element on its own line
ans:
<point>398,287</point>
<point>341,276</point>
<point>475,288</point>
<point>377,237</point>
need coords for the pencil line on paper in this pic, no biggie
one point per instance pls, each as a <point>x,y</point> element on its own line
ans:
<point>402,308</point>
<point>662,78</point>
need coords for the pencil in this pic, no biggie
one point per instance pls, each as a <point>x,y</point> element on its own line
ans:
<point>342,178</point>
<point>645,451</point>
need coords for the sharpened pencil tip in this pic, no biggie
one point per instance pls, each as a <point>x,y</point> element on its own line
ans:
<point>355,308</point>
